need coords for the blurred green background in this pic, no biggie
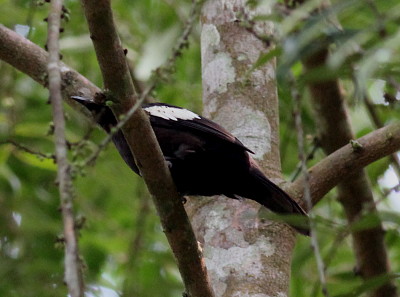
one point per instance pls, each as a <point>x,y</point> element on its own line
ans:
<point>123,247</point>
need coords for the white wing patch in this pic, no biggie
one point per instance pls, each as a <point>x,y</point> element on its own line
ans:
<point>171,113</point>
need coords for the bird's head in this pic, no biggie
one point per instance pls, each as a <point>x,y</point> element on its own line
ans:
<point>102,114</point>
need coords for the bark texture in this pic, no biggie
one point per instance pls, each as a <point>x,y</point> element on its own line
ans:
<point>341,164</point>
<point>355,193</point>
<point>73,267</point>
<point>29,58</point>
<point>245,255</point>
<point>240,248</point>
<point>144,146</point>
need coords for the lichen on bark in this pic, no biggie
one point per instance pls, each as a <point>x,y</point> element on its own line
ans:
<point>245,255</point>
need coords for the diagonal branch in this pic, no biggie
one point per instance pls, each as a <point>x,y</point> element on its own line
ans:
<point>29,58</point>
<point>342,163</point>
<point>354,193</point>
<point>145,148</point>
<point>161,72</point>
<point>22,54</point>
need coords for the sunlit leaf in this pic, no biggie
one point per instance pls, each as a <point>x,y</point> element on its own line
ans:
<point>36,161</point>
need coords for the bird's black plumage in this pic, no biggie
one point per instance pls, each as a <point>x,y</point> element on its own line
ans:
<point>203,157</point>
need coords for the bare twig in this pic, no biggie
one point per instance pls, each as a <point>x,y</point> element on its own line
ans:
<point>80,144</point>
<point>395,188</point>
<point>28,150</point>
<point>73,271</point>
<point>307,196</point>
<point>123,120</point>
<point>309,157</point>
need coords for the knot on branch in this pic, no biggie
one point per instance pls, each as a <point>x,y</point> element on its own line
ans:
<point>356,146</point>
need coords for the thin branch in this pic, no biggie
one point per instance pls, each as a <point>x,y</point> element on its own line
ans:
<point>307,197</point>
<point>124,118</point>
<point>146,150</point>
<point>28,150</point>
<point>73,270</point>
<point>309,157</point>
<point>395,188</point>
<point>80,144</point>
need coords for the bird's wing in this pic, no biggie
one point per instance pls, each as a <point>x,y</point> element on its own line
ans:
<point>179,118</point>
<point>210,127</point>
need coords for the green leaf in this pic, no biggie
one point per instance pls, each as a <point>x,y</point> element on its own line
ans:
<point>369,285</point>
<point>33,160</point>
<point>265,58</point>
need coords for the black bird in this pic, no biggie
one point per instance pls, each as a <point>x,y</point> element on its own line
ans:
<point>203,157</point>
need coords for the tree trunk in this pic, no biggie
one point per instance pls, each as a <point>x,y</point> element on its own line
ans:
<point>354,193</point>
<point>245,254</point>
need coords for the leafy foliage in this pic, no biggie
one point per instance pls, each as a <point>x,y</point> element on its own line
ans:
<point>122,245</point>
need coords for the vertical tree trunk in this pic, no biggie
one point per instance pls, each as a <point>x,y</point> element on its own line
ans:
<point>354,193</point>
<point>245,255</point>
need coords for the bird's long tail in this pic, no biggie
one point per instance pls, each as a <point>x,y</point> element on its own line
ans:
<point>274,198</point>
